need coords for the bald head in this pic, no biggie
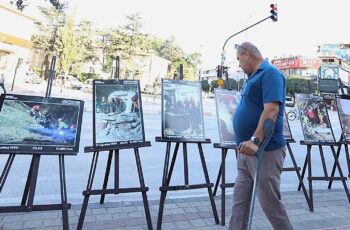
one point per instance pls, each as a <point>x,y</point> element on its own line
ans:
<point>251,48</point>
<point>249,57</point>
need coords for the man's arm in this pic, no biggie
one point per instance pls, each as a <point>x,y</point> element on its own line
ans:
<point>270,112</point>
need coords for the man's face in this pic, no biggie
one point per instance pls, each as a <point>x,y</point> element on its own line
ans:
<point>242,57</point>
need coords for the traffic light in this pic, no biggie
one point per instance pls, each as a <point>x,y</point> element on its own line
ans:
<point>218,71</point>
<point>273,12</point>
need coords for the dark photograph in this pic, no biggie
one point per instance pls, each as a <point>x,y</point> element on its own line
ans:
<point>117,113</point>
<point>226,103</point>
<point>182,114</point>
<point>31,124</point>
<point>344,116</point>
<point>314,119</point>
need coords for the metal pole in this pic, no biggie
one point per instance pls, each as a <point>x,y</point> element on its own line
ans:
<point>51,76</point>
<point>14,76</point>
<point>223,47</point>
<point>181,72</point>
<point>117,66</point>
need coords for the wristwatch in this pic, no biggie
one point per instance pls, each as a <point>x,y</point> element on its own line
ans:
<point>255,140</point>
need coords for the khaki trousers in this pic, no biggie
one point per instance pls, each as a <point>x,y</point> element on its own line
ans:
<point>268,190</point>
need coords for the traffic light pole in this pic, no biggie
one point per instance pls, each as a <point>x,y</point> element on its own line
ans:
<point>223,47</point>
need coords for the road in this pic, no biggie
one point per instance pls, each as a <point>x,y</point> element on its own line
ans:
<point>152,158</point>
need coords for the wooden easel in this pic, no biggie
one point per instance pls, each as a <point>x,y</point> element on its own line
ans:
<point>341,142</point>
<point>222,175</point>
<point>116,189</point>
<point>296,169</point>
<point>30,186</point>
<point>167,173</point>
<point>326,177</point>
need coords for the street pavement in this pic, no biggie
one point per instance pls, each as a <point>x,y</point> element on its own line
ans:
<point>328,204</point>
<point>331,213</point>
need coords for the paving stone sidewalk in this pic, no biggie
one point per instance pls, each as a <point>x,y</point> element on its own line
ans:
<point>331,212</point>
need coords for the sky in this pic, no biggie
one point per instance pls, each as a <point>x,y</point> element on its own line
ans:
<point>203,26</point>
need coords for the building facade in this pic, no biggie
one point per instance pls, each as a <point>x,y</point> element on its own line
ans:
<point>16,30</point>
<point>298,65</point>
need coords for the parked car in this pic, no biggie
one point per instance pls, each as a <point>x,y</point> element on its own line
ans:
<point>32,78</point>
<point>87,86</point>
<point>68,81</point>
<point>290,101</point>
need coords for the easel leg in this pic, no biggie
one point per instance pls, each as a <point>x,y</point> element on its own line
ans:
<point>33,181</point>
<point>223,182</point>
<point>116,169</point>
<point>323,161</point>
<point>27,186</point>
<point>298,174</point>
<point>142,184</point>
<point>347,158</point>
<point>210,192</point>
<point>63,192</point>
<point>88,189</point>
<point>108,168</point>
<point>340,173</point>
<point>166,181</point>
<point>185,164</point>
<point>6,170</point>
<point>218,177</point>
<point>333,169</point>
<point>308,156</point>
<point>303,171</point>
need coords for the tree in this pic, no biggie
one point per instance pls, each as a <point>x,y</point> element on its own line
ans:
<point>230,84</point>
<point>67,45</point>
<point>298,84</point>
<point>45,41</point>
<point>85,52</point>
<point>57,4</point>
<point>128,42</point>
<point>205,85</point>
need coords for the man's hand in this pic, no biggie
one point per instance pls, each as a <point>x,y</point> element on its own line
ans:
<point>248,148</point>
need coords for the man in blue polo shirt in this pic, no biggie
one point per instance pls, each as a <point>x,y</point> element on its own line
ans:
<point>263,97</point>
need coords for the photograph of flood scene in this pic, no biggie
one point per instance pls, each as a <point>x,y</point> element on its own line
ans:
<point>30,121</point>
<point>344,116</point>
<point>314,119</point>
<point>226,103</point>
<point>182,113</point>
<point>118,113</point>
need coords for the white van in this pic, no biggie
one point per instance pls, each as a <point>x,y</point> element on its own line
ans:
<point>69,82</point>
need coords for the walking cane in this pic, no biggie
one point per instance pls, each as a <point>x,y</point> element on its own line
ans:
<point>269,127</point>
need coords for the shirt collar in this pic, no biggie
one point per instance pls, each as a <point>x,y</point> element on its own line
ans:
<point>262,66</point>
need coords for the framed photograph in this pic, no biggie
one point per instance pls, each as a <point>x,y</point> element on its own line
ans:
<point>344,116</point>
<point>314,119</point>
<point>32,124</point>
<point>117,113</point>
<point>182,112</point>
<point>226,102</point>
<point>286,128</point>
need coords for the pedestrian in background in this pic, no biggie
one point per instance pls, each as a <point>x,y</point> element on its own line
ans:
<point>263,97</point>
<point>2,82</point>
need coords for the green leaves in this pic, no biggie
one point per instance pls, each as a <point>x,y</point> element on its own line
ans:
<point>298,84</point>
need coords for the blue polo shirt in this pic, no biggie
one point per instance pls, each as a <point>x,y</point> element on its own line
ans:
<point>267,84</point>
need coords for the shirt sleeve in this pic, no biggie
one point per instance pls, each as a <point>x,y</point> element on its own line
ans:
<point>273,87</point>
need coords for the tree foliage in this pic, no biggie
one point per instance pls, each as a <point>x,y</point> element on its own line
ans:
<point>59,35</point>
<point>67,45</point>
<point>298,84</point>
<point>57,4</point>
<point>77,44</point>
